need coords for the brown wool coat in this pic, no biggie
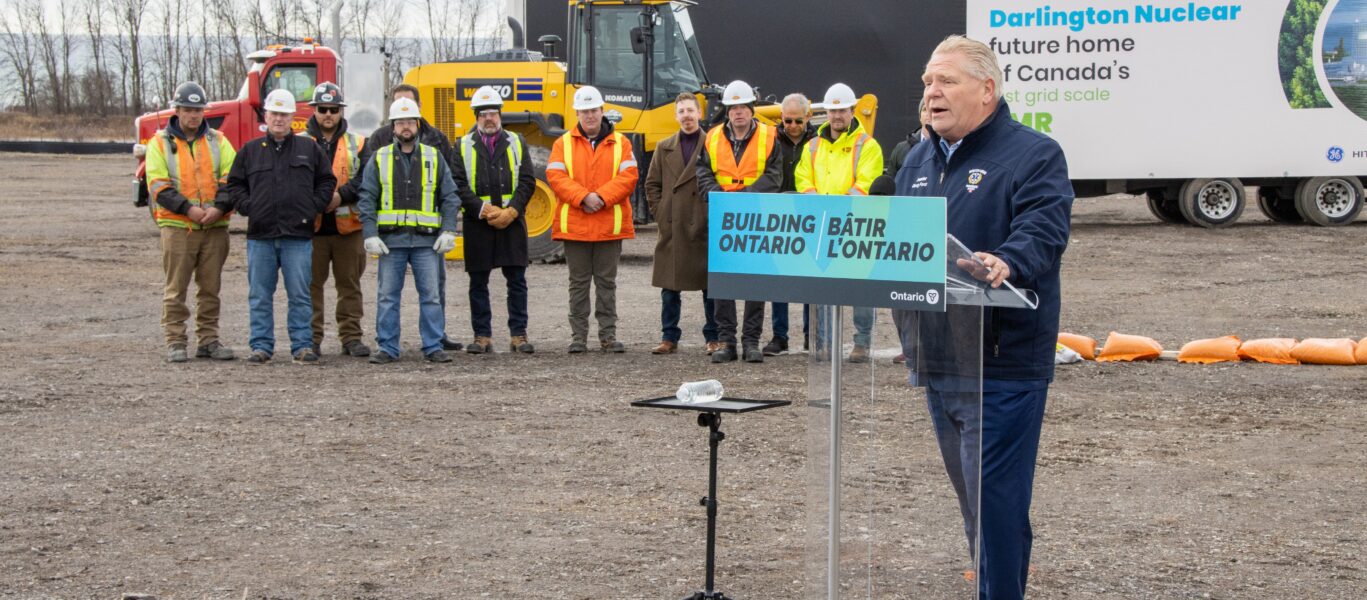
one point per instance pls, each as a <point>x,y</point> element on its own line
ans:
<point>672,192</point>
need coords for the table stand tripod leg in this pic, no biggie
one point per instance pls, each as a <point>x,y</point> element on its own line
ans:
<point>712,421</point>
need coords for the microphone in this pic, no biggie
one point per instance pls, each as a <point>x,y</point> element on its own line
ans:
<point>883,186</point>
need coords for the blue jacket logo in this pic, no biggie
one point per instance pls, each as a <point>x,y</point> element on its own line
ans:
<point>975,177</point>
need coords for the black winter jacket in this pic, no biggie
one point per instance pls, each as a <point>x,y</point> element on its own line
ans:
<point>279,188</point>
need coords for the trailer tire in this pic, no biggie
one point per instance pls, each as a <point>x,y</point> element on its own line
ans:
<point>1164,207</point>
<point>1212,203</point>
<point>1329,201</point>
<point>1276,207</point>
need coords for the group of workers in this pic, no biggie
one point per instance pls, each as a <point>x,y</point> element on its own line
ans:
<point>317,203</point>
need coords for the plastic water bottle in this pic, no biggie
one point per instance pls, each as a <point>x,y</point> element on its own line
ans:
<point>698,392</point>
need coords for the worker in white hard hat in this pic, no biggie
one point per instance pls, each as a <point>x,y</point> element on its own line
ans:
<point>427,134</point>
<point>740,156</point>
<point>592,171</point>
<point>495,179</point>
<point>408,207</point>
<point>280,182</point>
<point>843,159</point>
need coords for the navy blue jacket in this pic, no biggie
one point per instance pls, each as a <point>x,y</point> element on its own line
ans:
<point>1009,195</point>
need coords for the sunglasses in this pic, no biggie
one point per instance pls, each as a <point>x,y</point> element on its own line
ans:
<point>794,121</point>
<point>327,110</point>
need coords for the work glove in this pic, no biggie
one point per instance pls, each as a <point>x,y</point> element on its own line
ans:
<point>505,218</point>
<point>445,243</point>
<point>374,246</point>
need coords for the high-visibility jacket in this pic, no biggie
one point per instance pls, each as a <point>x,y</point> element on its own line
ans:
<point>846,166</point>
<point>346,163</point>
<point>195,170</point>
<point>575,169</point>
<point>408,200</point>
<point>516,150</point>
<point>734,176</point>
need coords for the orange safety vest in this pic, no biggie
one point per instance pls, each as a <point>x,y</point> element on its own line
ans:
<point>575,163</point>
<point>733,176</point>
<point>345,162</point>
<point>193,173</point>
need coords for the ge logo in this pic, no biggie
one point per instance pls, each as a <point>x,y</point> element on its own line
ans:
<point>932,297</point>
<point>1335,154</point>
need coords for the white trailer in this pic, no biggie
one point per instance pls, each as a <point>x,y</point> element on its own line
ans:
<point>1190,101</point>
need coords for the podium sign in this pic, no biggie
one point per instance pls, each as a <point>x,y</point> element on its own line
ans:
<point>875,251</point>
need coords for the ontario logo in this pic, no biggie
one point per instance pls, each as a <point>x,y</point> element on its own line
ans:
<point>1335,154</point>
<point>932,297</point>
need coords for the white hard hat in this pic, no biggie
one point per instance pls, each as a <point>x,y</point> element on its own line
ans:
<point>839,96</point>
<point>736,93</point>
<point>280,101</point>
<point>588,97</point>
<point>404,108</point>
<point>486,97</point>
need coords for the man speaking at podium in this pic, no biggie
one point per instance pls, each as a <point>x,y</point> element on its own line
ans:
<point>1008,197</point>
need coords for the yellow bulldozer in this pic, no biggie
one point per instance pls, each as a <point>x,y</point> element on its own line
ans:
<point>640,54</point>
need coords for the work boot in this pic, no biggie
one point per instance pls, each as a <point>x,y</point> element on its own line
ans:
<point>356,348</point>
<point>714,346</point>
<point>776,346</point>
<point>215,350</point>
<point>481,345</point>
<point>259,357</point>
<point>380,357</point>
<point>306,357</point>
<point>438,356</point>
<point>725,354</point>
<point>578,348</point>
<point>665,347</point>
<point>612,346</point>
<point>753,354</point>
<point>860,354</point>
<point>177,354</point>
<point>519,343</point>
<point>450,344</point>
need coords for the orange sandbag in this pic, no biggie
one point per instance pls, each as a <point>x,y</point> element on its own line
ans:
<point>1275,351</point>
<point>1121,347</point>
<point>1215,350</point>
<point>1362,351</point>
<point>1080,344</point>
<point>1319,351</point>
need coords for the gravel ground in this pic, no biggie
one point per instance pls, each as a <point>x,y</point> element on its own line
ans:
<point>530,476</point>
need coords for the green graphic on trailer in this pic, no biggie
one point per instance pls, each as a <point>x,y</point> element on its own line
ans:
<point>878,251</point>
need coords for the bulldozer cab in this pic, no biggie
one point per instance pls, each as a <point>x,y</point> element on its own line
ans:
<point>639,54</point>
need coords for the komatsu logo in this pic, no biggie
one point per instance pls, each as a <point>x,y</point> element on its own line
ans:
<point>624,98</point>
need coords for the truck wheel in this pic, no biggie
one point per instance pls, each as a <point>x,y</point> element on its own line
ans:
<point>1329,201</point>
<point>1277,207</point>
<point>1163,206</point>
<point>540,217</point>
<point>1212,203</point>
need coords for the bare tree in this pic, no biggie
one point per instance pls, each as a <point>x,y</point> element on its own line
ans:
<point>20,50</point>
<point>131,13</point>
<point>97,94</point>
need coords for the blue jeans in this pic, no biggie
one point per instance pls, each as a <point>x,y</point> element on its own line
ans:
<point>481,311</point>
<point>671,306</point>
<point>1010,429</point>
<point>426,265</point>
<point>266,261</point>
<point>780,320</point>
<point>863,325</point>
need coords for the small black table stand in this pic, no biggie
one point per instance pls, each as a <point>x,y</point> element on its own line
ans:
<point>709,416</point>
